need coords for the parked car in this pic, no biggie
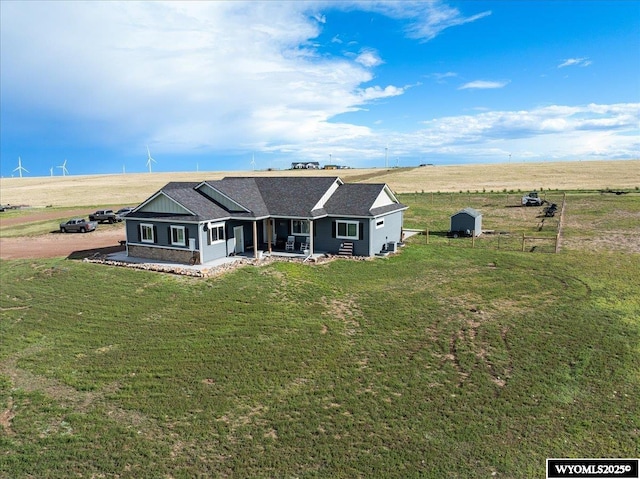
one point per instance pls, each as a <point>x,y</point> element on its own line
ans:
<point>78,225</point>
<point>103,216</point>
<point>122,212</point>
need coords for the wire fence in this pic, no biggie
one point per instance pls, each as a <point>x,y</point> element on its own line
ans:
<point>543,237</point>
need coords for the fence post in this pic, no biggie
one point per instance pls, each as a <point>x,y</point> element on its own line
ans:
<point>473,238</point>
<point>557,242</point>
<point>523,242</point>
<point>426,233</point>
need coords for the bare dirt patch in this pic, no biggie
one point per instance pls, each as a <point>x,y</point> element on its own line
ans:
<point>43,215</point>
<point>53,245</point>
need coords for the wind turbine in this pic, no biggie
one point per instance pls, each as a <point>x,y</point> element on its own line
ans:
<point>253,162</point>
<point>51,171</point>
<point>20,168</point>
<point>149,159</point>
<point>63,166</point>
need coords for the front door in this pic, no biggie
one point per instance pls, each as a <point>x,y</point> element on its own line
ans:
<point>238,233</point>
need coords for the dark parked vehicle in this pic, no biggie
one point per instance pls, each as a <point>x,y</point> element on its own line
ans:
<point>78,225</point>
<point>103,216</point>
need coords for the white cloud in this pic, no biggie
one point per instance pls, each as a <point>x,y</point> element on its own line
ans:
<point>442,77</point>
<point>426,19</point>
<point>185,75</point>
<point>221,76</point>
<point>557,131</point>
<point>369,58</point>
<point>483,85</point>
<point>580,62</point>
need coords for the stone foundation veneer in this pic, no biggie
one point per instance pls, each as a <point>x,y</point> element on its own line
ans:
<point>161,254</point>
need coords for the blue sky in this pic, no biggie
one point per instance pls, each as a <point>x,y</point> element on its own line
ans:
<point>215,85</point>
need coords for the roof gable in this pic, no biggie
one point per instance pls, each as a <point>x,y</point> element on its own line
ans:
<point>162,202</point>
<point>242,191</point>
<point>180,198</point>
<point>294,196</point>
<point>469,211</point>
<point>361,199</point>
<point>260,197</point>
<point>218,196</point>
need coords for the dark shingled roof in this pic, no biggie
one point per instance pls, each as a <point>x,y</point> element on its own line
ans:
<point>275,196</point>
<point>185,195</point>
<point>356,199</point>
<point>294,196</point>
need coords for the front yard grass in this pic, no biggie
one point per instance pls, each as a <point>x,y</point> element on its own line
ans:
<point>435,362</point>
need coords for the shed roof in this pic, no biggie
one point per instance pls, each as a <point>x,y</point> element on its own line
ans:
<point>469,211</point>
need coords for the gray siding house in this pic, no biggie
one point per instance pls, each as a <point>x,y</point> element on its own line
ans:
<point>191,222</point>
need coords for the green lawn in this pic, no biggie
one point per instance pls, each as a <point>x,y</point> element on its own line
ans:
<point>436,362</point>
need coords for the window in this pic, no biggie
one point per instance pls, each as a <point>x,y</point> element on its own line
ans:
<point>216,233</point>
<point>347,230</point>
<point>147,233</point>
<point>299,227</point>
<point>177,236</point>
<point>380,223</point>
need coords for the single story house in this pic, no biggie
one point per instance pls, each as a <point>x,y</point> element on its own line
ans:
<point>467,221</point>
<point>190,222</point>
<point>305,165</point>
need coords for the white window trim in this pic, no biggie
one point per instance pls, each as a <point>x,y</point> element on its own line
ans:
<point>142,238</point>
<point>178,243</point>
<point>380,223</point>
<point>357,235</point>
<point>300,233</point>
<point>211,228</point>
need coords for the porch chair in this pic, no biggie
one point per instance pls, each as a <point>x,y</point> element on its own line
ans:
<point>304,245</point>
<point>290,244</point>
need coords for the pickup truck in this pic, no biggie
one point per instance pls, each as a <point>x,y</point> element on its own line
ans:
<point>78,225</point>
<point>122,212</point>
<point>103,216</point>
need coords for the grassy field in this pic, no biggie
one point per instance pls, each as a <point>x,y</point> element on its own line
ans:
<point>119,190</point>
<point>441,361</point>
<point>438,362</point>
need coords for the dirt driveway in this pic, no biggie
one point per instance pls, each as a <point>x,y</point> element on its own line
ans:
<point>52,245</point>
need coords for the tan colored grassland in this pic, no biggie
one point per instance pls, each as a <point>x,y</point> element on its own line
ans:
<point>131,189</point>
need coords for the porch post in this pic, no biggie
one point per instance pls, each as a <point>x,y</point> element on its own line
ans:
<point>311,237</point>
<point>255,239</point>
<point>269,234</point>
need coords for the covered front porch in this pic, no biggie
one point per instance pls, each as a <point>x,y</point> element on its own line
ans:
<point>285,237</point>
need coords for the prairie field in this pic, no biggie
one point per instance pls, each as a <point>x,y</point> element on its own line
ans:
<point>59,191</point>
<point>451,358</point>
